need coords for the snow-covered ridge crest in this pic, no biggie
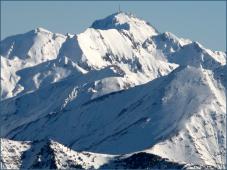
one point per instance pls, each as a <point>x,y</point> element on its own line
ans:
<point>49,154</point>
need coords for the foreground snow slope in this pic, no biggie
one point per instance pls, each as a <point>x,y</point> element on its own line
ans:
<point>51,154</point>
<point>119,87</point>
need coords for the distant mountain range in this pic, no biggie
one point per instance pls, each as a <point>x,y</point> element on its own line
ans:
<point>119,95</point>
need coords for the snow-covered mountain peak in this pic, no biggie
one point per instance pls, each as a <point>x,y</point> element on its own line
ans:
<point>169,36</point>
<point>42,30</point>
<point>26,50</point>
<point>122,21</point>
<point>33,45</point>
<point>111,22</point>
<point>196,55</point>
<point>164,43</point>
<point>195,46</point>
<point>91,50</point>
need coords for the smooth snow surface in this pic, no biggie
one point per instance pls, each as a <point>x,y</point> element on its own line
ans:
<point>119,87</point>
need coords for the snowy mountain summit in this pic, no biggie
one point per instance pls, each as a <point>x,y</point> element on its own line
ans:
<point>118,95</point>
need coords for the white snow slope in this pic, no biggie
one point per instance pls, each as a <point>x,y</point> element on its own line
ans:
<point>50,154</point>
<point>119,87</point>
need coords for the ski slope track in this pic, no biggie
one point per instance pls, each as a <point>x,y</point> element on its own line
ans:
<point>118,95</point>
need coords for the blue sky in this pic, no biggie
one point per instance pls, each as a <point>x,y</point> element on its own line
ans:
<point>204,22</point>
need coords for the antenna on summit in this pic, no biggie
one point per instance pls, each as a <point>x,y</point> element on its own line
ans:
<point>119,8</point>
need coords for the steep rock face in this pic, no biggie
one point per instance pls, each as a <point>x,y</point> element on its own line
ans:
<point>119,87</point>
